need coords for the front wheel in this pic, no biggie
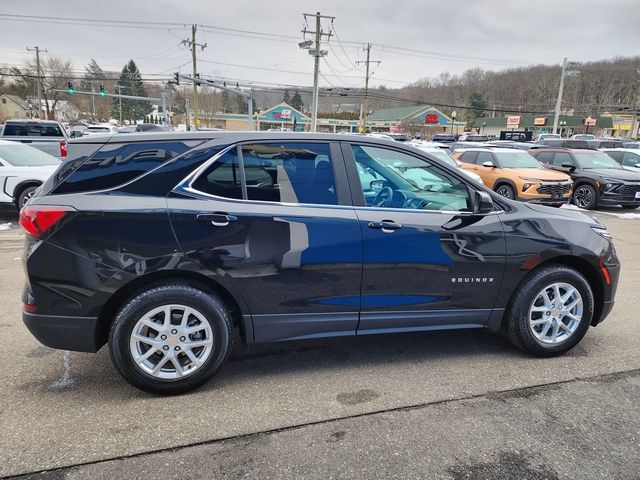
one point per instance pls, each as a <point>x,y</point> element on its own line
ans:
<point>585,196</point>
<point>506,191</point>
<point>550,312</point>
<point>170,339</point>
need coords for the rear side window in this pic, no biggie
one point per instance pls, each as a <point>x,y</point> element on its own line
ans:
<point>274,172</point>
<point>26,129</point>
<point>118,163</point>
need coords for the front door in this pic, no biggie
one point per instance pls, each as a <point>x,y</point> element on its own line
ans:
<point>428,260</point>
<point>272,220</point>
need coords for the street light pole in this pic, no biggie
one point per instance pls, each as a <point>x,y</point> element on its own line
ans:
<point>453,120</point>
<point>559,99</point>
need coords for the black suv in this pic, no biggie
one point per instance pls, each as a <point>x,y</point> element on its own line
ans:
<point>597,178</point>
<point>166,246</point>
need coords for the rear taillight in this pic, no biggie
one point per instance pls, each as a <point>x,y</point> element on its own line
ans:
<point>38,220</point>
<point>63,148</point>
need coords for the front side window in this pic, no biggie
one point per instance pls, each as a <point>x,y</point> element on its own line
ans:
<point>397,180</point>
<point>562,158</point>
<point>469,157</point>
<point>485,157</point>
<point>545,157</point>
<point>630,159</point>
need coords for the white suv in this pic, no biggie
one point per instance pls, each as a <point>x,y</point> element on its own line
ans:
<point>22,170</point>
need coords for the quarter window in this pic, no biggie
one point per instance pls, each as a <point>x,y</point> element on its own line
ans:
<point>222,178</point>
<point>397,180</point>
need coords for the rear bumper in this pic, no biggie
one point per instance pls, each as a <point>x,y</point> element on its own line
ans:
<point>65,333</point>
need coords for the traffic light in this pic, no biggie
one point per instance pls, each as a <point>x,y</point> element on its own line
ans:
<point>177,77</point>
<point>102,92</point>
<point>70,88</point>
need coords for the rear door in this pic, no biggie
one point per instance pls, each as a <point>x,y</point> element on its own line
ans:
<point>429,261</point>
<point>274,222</point>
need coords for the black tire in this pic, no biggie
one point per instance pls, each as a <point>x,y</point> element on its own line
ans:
<point>517,316</point>
<point>212,310</point>
<point>24,196</point>
<point>507,191</point>
<point>629,207</point>
<point>585,196</point>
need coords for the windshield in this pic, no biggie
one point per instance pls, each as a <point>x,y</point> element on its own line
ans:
<point>26,156</point>
<point>590,160</point>
<point>516,160</point>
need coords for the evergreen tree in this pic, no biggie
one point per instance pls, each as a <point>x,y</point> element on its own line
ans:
<point>286,98</point>
<point>130,83</point>
<point>296,101</point>
<point>478,108</point>
<point>227,102</point>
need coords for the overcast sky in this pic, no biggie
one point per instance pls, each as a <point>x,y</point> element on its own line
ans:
<point>453,35</point>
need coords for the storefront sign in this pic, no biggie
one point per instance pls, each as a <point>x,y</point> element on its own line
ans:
<point>284,114</point>
<point>540,121</point>
<point>513,120</point>
<point>431,118</point>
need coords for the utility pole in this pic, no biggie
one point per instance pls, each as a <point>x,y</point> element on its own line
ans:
<point>93,100</point>
<point>569,69</point>
<point>317,54</point>
<point>119,87</point>
<point>364,105</point>
<point>559,100</point>
<point>39,78</point>
<point>196,100</point>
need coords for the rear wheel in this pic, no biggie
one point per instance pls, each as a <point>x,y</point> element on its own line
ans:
<point>506,191</point>
<point>585,196</point>
<point>550,312</point>
<point>170,339</point>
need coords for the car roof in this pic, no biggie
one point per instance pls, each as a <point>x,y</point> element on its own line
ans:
<point>228,136</point>
<point>32,120</point>
<point>491,149</point>
<point>620,149</point>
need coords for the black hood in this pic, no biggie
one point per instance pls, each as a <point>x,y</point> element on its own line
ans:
<point>563,213</point>
<point>622,174</point>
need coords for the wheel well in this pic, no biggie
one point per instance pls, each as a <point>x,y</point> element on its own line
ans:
<point>140,284</point>
<point>586,269</point>
<point>504,181</point>
<point>22,186</point>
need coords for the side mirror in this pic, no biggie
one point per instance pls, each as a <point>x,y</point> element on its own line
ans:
<point>488,164</point>
<point>484,202</point>
<point>569,166</point>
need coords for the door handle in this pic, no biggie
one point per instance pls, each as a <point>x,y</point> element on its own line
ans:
<point>387,226</point>
<point>217,219</point>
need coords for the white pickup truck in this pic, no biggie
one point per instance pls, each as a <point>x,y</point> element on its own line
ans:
<point>22,170</point>
<point>46,135</point>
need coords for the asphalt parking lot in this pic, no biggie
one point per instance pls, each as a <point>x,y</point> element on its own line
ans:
<point>450,405</point>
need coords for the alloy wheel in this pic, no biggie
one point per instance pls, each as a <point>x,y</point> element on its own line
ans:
<point>504,191</point>
<point>583,197</point>
<point>171,341</point>
<point>555,313</point>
